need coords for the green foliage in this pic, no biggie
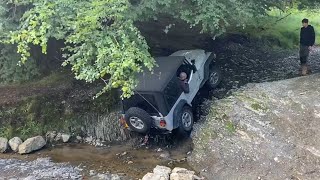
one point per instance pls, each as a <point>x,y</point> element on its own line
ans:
<point>102,41</point>
<point>6,132</point>
<point>10,68</point>
<point>282,28</point>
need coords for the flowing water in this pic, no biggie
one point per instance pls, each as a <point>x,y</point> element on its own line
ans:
<point>125,160</point>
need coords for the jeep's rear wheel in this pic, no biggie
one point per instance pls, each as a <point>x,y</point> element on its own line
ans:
<point>215,77</point>
<point>186,121</point>
<point>138,120</point>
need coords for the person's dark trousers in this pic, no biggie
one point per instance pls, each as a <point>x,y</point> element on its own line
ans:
<point>304,54</point>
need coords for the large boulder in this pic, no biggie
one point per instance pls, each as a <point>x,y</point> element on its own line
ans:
<point>163,171</point>
<point>3,144</point>
<point>263,131</point>
<point>32,144</point>
<point>14,143</point>
<point>65,138</point>
<point>159,173</point>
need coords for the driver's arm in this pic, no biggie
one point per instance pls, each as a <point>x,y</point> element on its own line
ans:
<point>185,86</point>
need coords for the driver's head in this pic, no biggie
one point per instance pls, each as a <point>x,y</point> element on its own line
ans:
<point>183,76</point>
<point>305,23</point>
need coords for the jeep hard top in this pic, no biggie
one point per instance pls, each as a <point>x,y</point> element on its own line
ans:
<point>159,101</point>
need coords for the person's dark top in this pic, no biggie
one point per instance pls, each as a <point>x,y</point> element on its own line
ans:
<point>307,36</point>
<point>184,86</point>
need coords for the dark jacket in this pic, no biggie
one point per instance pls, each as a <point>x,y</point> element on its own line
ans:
<point>307,36</point>
<point>184,86</point>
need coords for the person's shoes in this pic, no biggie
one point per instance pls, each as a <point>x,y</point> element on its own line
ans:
<point>304,70</point>
<point>309,70</point>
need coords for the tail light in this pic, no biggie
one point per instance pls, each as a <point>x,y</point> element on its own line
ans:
<point>163,123</point>
<point>123,122</point>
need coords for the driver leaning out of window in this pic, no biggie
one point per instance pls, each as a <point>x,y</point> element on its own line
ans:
<point>184,82</point>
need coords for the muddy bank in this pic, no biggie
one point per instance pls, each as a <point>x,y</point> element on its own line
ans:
<point>266,131</point>
<point>59,103</point>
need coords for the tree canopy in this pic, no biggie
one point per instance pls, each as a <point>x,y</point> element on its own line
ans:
<point>101,40</point>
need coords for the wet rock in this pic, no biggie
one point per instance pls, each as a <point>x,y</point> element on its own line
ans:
<point>65,138</point>
<point>88,140</point>
<point>153,176</point>
<point>3,145</point>
<point>181,176</point>
<point>130,162</point>
<point>98,143</point>
<point>14,143</point>
<point>165,155</point>
<point>32,144</point>
<point>79,138</point>
<point>58,137</point>
<point>163,171</point>
<point>50,136</point>
<point>92,173</point>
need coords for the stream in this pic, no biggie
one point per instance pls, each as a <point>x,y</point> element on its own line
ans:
<point>86,161</point>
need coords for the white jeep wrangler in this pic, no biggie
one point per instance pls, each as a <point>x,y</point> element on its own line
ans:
<point>159,102</point>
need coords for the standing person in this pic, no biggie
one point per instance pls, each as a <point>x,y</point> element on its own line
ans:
<point>307,40</point>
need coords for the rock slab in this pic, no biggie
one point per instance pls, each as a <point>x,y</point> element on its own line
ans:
<point>32,144</point>
<point>14,143</point>
<point>3,144</point>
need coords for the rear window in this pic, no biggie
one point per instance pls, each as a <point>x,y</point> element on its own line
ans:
<point>138,101</point>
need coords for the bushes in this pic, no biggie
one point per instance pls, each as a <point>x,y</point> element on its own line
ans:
<point>283,29</point>
<point>11,71</point>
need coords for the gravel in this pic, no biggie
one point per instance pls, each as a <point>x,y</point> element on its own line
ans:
<point>44,168</point>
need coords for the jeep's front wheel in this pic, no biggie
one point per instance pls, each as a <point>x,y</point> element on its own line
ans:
<point>186,120</point>
<point>215,77</point>
<point>138,120</point>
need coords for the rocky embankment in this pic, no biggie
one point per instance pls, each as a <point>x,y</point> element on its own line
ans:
<point>262,131</point>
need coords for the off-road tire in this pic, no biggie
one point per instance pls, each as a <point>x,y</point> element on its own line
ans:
<point>214,71</point>
<point>135,112</point>
<point>182,130</point>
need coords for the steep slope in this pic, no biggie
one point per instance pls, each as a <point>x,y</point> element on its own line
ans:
<point>263,131</point>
